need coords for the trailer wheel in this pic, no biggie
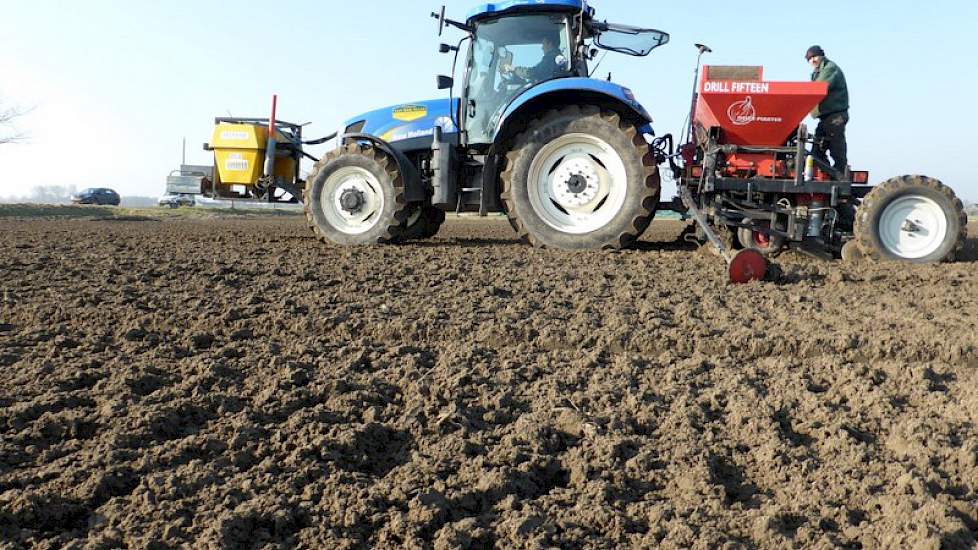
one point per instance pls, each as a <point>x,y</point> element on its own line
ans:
<point>767,245</point>
<point>912,219</point>
<point>423,223</point>
<point>580,178</point>
<point>355,196</point>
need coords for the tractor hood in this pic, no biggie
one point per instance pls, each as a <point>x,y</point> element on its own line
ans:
<point>406,121</point>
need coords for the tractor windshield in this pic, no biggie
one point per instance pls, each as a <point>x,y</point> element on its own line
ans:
<point>628,40</point>
<point>509,55</point>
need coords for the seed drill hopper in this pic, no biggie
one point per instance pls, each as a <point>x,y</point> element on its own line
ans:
<point>750,175</point>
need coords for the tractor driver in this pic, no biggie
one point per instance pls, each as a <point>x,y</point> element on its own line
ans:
<point>833,112</point>
<point>552,65</point>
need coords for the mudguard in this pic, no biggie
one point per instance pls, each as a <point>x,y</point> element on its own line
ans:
<point>413,186</point>
<point>563,90</point>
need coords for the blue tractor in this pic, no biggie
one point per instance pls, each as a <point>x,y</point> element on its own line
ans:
<point>528,132</point>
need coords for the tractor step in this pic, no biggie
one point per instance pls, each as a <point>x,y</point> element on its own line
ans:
<point>469,199</point>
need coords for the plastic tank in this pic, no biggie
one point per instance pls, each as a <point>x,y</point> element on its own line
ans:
<point>239,154</point>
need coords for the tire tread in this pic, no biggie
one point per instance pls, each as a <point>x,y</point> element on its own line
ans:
<point>393,232</point>
<point>883,193</point>
<point>649,199</point>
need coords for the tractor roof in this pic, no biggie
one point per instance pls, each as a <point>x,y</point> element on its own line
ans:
<point>499,8</point>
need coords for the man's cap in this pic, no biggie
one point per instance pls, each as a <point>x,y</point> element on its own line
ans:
<point>814,51</point>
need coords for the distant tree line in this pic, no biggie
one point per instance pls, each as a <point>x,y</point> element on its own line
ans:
<point>45,194</point>
<point>8,133</point>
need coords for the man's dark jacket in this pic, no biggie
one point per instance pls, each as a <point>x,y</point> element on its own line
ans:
<point>838,99</point>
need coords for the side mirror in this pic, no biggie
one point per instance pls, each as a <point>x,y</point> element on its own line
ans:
<point>440,16</point>
<point>445,82</point>
<point>445,48</point>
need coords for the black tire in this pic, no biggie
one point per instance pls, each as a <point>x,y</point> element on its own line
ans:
<point>425,226</point>
<point>642,185</point>
<point>870,213</point>
<point>389,226</point>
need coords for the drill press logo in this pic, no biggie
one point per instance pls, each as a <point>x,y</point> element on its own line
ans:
<point>743,112</point>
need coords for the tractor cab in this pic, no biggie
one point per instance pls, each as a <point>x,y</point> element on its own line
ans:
<point>517,46</point>
<point>511,54</point>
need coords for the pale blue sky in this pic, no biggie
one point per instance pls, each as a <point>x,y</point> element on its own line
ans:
<point>115,85</point>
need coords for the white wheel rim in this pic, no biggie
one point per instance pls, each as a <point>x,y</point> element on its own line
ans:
<point>370,200</point>
<point>913,227</point>
<point>577,183</point>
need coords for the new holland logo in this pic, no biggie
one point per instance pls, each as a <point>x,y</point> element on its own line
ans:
<point>410,113</point>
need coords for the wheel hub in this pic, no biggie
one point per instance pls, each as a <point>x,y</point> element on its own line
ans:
<point>913,227</point>
<point>762,240</point>
<point>576,183</point>
<point>352,201</point>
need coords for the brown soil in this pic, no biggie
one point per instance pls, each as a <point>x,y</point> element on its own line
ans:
<point>237,384</point>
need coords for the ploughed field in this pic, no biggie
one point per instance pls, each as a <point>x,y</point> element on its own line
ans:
<point>236,383</point>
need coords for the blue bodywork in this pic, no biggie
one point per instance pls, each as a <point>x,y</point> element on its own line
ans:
<point>405,125</point>
<point>498,8</point>
<point>408,121</point>
<point>574,85</point>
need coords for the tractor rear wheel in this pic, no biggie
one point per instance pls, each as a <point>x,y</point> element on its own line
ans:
<point>912,219</point>
<point>423,223</point>
<point>355,196</point>
<point>580,178</point>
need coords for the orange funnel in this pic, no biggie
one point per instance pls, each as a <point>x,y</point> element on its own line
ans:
<point>751,111</point>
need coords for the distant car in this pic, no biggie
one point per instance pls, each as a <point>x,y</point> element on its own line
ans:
<point>177,200</point>
<point>97,195</point>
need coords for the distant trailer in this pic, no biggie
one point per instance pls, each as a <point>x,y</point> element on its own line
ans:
<point>189,180</point>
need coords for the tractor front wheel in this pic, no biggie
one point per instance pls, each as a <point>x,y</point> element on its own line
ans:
<point>580,178</point>
<point>355,196</point>
<point>912,219</point>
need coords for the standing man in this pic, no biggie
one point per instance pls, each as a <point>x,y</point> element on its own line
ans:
<point>833,112</point>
